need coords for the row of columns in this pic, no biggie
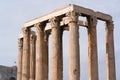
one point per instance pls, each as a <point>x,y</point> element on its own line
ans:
<point>33,51</point>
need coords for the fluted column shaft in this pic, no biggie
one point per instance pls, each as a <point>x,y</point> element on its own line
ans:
<point>110,56</point>
<point>74,55</point>
<point>20,54</point>
<point>32,55</point>
<point>41,54</point>
<point>92,48</point>
<point>57,56</point>
<point>26,54</point>
<point>46,55</point>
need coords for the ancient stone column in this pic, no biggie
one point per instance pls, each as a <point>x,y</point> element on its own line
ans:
<point>57,55</point>
<point>92,48</point>
<point>46,55</point>
<point>110,56</point>
<point>41,61</point>
<point>20,54</point>
<point>74,54</point>
<point>26,54</point>
<point>32,55</point>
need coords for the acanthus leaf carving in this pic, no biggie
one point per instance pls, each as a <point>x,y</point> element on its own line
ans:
<point>55,21</point>
<point>40,27</point>
<point>25,31</point>
<point>73,16</point>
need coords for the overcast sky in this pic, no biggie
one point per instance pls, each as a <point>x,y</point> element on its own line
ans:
<point>14,13</point>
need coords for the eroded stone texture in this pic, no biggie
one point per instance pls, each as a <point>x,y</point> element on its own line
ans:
<point>26,54</point>
<point>57,55</point>
<point>92,48</point>
<point>74,57</point>
<point>41,53</point>
<point>20,55</point>
<point>110,56</point>
<point>46,55</point>
<point>32,55</point>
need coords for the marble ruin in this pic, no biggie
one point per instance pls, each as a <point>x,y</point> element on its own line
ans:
<point>33,45</point>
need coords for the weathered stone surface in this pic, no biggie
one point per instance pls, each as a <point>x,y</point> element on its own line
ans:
<point>20,55</point>
<point>40,55</point>
<point>57,55</point>
<point>32,55</point>
<point>92,48</point>
<point>46,53</point>
<point>6,73</point>
<point>110,56</point>
<point>26,54</point>
<point>74,57</point>
<point>69,8</point>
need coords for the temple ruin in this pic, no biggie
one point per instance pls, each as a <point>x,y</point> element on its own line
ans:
<point>33,45</point>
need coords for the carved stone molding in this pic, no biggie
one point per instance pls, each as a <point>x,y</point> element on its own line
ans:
<point>55,22</point>
<point>25,31</point>
<point>73,17</point>
<point>20,42</point>
<point>40,27</point>
<point>32,36</point>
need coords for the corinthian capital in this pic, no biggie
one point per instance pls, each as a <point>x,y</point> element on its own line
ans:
<point>73,16</point>
<point>39,27</point>
<point>25,31</point>
<point>32,36</point>
<point>55,21</point>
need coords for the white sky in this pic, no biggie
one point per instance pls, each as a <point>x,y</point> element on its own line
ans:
<point>14,13</point>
